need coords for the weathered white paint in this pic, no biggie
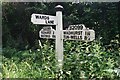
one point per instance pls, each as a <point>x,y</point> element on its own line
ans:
<point>81,35</point>
<point>47,32</point>
<point>59,40</point>
<point>43,19</point>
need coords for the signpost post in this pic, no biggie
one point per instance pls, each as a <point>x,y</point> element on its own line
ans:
<point>74,32</point>
<point>59,39</point>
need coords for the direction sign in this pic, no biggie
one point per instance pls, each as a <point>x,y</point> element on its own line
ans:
<point>78,32</point>
<point>43,19</point>
<point>86,35</point>
<point>47,32</point>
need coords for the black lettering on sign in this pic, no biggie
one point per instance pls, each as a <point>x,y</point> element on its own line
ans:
<point>80,37</point>
<point>72,37</point>
<point>66,32</point>
<point>75,37</point>
<point>48,36</point>
<point>85,38</point>
<point>75,32</point>
<point>88,38</point>
<point>45,32</point>
<point>53,36</point>
<point>72,32</point>
<point>37,17</point>
<point>41,35</point>
<point>47,28</point>
<point>42,17</point>
<point>45,36</point>
<point>66,37</point>
<point>49,21</point>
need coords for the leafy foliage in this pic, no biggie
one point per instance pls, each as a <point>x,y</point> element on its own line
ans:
<point>89,60</point>
<point>81,60</point>
<point>29,64</point>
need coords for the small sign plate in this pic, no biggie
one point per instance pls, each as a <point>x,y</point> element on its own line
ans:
<point>47,32</point>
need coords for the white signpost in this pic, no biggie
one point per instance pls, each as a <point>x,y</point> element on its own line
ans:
<point>73,32</point>
<point>59,40</point>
